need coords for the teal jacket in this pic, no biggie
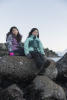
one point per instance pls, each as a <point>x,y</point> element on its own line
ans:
<point>33,43</point>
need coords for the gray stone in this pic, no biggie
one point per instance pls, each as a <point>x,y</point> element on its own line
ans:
<point>17,69</point>
<point>62,66</point>
<point>13,92</point>
<point>51,71</point>
<point>42,88</point>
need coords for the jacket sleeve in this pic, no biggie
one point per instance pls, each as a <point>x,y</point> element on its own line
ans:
<point>9,43</point>
<point>26,46</point>
<point>41,48</point>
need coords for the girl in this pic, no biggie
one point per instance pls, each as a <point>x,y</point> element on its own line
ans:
<point>13,41</point>
<point>33,48</point>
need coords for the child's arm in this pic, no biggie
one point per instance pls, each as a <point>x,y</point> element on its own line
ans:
<point>9,45</point>
<point>41,48</point>
<point>26,47</point>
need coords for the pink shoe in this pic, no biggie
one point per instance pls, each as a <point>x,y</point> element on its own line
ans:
<point>11,54</point>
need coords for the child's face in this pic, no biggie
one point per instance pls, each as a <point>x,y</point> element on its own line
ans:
<point>15,31</point>
<point>35,33</point>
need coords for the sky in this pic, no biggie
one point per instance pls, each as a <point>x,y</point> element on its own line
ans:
<point>49,16</point>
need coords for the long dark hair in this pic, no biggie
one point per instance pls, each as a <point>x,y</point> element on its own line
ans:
<point>18,37</point>
<point>32,30</point>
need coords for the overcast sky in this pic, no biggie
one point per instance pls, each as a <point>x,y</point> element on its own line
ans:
<point>49,16</point>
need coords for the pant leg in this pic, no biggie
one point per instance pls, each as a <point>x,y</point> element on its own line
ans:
<point>41,62</point>
<point>21,52</point>
<point>38,58</point>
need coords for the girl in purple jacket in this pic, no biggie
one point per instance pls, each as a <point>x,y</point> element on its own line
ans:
<point>13,41</point>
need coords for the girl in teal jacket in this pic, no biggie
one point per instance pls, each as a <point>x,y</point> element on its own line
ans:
<point>33,48</point>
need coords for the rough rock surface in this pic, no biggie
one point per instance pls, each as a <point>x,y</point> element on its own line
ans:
<point>13,92</point>
<point>45,89</point>
<point>16,69</point>
<point>62,66</point>
<point>51,71</point>
<point>62,72</point>
<point>20,79</point>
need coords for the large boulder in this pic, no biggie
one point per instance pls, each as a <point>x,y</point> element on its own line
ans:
<point>62,72</point>
<point>43,88</point>
<point>24,73</point>
<point>51,71</point>
<point>15,68</point>
<point>13,92</point>
<point>62,66</point>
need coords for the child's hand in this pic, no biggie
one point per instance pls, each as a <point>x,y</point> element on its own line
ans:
<point>29,56</point>
<point>11,54</point>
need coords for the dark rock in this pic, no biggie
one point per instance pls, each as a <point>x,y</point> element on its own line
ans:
<point>62,66</point>
<point>62,72</point>
<point>3,46</point>
<point>42,88</point>
<point>51,71</point>
<point>50,53</point>
<point>24,73</point>
<point>17,69</point>
<point>13,92</point>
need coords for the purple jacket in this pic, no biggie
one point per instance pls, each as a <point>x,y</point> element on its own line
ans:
<point>12,43</point>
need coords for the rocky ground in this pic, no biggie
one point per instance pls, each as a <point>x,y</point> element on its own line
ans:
<point>21,79</point>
